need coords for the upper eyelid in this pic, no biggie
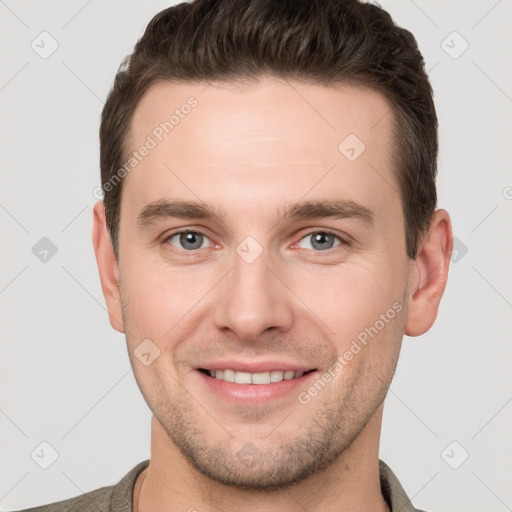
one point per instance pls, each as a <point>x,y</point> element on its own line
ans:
<point>183,231</point>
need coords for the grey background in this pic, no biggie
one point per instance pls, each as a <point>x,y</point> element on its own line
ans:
<point>65,374</point>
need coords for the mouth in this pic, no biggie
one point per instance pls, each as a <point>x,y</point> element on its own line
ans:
<point>259,378</point>
<point>254,382</point>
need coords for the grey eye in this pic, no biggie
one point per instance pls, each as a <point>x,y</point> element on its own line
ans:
<point>189,240</point>
<point>321,240</point>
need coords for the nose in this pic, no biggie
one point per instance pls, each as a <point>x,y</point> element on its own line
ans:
<point>253,299</point>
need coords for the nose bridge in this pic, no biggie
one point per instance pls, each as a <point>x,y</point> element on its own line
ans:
<point>252,298</point>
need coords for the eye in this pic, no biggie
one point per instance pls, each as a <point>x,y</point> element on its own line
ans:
<point>188,240</point>
<point>321,240</point>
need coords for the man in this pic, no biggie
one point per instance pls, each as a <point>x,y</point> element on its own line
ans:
<point>267,236</point>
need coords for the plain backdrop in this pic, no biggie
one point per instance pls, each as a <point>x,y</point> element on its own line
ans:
<point>65,376</point>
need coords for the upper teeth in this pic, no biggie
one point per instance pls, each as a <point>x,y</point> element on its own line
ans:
<point>254,378</point>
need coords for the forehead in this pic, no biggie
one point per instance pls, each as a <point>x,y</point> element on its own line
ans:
<point>212,139</point>
<point>265,105</point>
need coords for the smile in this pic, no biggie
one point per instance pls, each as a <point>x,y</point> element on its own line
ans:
<point>253,378</point>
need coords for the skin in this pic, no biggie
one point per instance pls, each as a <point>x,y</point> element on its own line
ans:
<point>250,149</point>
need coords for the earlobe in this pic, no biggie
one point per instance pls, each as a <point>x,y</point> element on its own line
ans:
<point>107,267</point>
<point>429,274</point>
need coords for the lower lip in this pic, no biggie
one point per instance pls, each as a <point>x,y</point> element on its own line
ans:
<point>255,393</point>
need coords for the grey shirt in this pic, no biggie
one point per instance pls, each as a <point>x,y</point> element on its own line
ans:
<point>119,497</point>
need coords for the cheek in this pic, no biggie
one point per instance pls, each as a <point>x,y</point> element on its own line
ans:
<point>363,307</point>
<point>351,296</point>
<point>159,298</point>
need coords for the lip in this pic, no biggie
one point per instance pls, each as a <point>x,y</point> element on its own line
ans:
<point>255,394</point>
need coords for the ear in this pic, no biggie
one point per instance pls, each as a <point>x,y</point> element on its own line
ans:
<point>428,274</point>
<point>107,266</point>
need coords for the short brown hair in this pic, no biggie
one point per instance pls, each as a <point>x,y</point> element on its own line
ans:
<point>318,41</point>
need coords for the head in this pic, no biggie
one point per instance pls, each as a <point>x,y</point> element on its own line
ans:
<point>306,135</point>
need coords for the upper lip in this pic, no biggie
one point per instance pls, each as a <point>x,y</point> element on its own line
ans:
<point>255,366</point>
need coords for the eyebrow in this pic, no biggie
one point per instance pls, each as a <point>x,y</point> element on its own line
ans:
<point>306,210</point>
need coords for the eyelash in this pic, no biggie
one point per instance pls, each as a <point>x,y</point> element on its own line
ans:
<point>343,242</point>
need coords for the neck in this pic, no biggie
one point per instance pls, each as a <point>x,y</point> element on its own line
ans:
<point>351,483</point>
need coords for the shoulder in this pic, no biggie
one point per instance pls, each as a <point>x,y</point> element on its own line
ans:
<point>114,498</point>
<point>99,499</point>
<point>393,492</point>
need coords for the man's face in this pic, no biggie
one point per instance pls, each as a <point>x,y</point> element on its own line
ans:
<point>258,291</point>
